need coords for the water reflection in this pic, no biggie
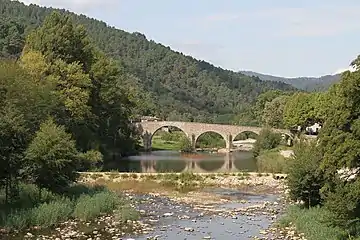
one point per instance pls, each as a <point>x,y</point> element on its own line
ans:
<point>171,161</point>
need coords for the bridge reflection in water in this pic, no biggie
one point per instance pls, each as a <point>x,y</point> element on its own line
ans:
<point>167,161</point>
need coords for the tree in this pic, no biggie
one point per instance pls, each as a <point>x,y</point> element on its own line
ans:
<point>305,178</point>
<point>300,110</point>
<point>96,96</point>
<point>11,38</point>
<point>23,105</point>
<point>52,157</point>
<point>339,142</point>
<point>266,140</point>
<point>273,113</point>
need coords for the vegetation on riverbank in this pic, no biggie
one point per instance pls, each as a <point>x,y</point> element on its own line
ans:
<point>271,161</point>
<point>42,208</point>
<point>325,172</point>
<point>313,222</point>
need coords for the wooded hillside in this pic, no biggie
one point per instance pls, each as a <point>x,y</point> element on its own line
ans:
<point>171,85</point>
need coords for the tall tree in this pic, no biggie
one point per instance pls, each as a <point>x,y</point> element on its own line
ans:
<point>23,105</point>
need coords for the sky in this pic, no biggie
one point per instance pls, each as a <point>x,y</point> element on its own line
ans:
<point>278,37</point>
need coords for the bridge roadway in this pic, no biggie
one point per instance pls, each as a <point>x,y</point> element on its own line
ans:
<point>194,130</point>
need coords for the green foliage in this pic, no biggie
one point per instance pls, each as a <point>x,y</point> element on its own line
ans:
<point>313,222</point>
<point>266,140</point>
<point>11,37</point>
<point>210,140</point>
<point>305,179</point>
<point>51,209</point>
<point>185,88</point>
<point>185,144</point>
<point>89,207</point>
<point>343,201</point>
<point>273,113</point>
<point>23,105</point>
<point>300,110</point>
<point>52,155</point>
<point>90,160</point>
<point>271,161</point>
<point>49,214</point>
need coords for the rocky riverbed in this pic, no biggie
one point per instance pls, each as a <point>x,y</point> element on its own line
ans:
<point>221,211</point>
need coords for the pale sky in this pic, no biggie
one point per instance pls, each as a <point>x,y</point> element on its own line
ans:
<point>278,37</point>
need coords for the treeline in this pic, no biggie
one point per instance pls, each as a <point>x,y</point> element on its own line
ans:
<point>173,86</point>
<point>64,106</point>
<point>325,173</point>
<point>278,109</point>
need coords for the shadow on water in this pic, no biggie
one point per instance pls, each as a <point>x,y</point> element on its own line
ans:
<point>173,161</point>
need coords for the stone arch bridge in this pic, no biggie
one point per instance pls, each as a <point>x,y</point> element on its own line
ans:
<point>194,130</point>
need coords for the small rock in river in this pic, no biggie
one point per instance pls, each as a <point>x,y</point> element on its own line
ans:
<point>168,214</point>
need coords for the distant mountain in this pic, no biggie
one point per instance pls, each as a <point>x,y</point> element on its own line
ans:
<point>304,83</point>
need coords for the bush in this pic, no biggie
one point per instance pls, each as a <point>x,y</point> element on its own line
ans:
<point>185,145</point>
<point>49,214</point>
<point>266,140</point>
<point>344,202</point>
<point>271,161</point>
<point>52,154</point>
<point>90,207</point>
<point>78,201</point>
<point>305,179</point>
<point>126,213</point>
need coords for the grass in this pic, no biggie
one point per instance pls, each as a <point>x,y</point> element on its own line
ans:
<point>78,202</point>
<point>271,161</point>
<point>313,223</point>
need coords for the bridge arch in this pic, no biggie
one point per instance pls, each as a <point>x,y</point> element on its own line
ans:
<point>247,134</point>
<point>160,128</point>
<point>224,136</point>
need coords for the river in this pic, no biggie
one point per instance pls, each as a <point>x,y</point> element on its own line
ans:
<point>173,161</point>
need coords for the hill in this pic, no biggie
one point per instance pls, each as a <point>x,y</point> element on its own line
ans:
<point>177,87</point>
<point>305,83</point>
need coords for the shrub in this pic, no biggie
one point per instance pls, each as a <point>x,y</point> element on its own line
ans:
<point>305,179</point>
<point>185,145</point>
<point>266,140</point>
<point>126,213</point>
<point>49,214</point>
<point>52,154</point>
<point>271,161</point>
<point>90,207</point>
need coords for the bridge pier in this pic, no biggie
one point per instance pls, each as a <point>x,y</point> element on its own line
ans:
<point>147,141</point>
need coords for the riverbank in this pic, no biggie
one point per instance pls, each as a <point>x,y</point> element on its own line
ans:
<point>191,205</point>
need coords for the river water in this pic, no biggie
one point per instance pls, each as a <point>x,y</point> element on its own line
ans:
<point>215,221</point>
<point>173,161</point>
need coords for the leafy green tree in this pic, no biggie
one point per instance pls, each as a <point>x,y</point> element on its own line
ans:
<point>23,105</point>
<point>273,113</point>
<point>52,157</point>
<point>90,160</point>
<point>300,110</point>
<point>11,38</point>
<point>305,178</point>
<point>97,100</point>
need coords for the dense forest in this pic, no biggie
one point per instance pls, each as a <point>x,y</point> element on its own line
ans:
<point>304,83</point>
<point>172,86</point>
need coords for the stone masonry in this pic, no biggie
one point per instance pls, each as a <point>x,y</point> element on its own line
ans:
<point>193,130</point>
